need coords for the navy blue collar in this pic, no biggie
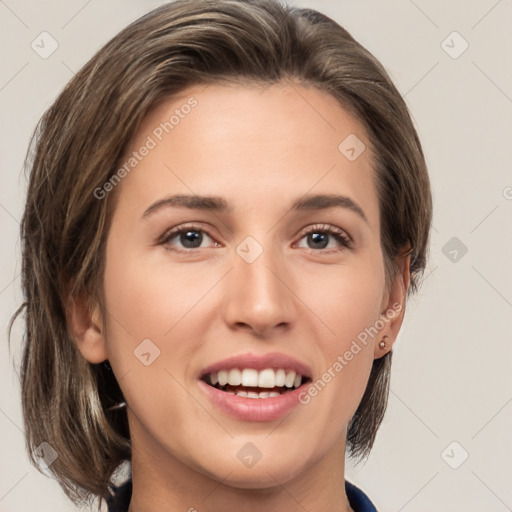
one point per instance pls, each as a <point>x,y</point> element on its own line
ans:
<point>120,501</point>
<point>358,499</point>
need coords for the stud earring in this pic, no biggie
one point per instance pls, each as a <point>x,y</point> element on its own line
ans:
<point>382,344</point>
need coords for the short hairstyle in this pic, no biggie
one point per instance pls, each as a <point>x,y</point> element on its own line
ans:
<point>77,146</point>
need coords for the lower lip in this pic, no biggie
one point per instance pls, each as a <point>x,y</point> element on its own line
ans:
<point>253,409</point>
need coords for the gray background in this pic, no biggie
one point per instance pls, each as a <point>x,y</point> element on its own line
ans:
<point>451,389</point>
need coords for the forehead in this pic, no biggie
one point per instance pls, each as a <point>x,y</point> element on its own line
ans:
<point>247,144</point>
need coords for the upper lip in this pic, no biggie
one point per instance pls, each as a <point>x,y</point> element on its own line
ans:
<point>259,362</point>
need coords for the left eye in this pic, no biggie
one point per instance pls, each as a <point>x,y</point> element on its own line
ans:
<point>319,235</point>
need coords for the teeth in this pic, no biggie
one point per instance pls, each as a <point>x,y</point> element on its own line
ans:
<point>254,394</point>
<point>235,377</point>
<point>290,377</point>
<point>280,378</point>
<point>223,378</point>
<point>248,377</point>
<point>266,379</point>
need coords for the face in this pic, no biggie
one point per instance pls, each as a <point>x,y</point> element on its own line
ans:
<point>265,275</point>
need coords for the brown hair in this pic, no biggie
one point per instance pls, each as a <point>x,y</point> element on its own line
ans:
<point>76,149</point>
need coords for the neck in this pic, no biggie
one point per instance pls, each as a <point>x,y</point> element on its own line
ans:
<point>162,482</point>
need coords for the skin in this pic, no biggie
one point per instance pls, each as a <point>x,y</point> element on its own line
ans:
<point>259,149</point>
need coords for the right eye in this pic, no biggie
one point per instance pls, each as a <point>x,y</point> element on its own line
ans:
<point>190,238</point>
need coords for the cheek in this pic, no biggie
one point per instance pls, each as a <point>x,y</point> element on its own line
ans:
<point>159,303</point>
<point>349,299</point>
<point>136,311</point>
<point>349,304</point>
<point>148,300</point>
<point>146,312</point>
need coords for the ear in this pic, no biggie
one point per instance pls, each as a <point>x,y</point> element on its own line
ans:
<point>87,329</point>
<point>393,307</point>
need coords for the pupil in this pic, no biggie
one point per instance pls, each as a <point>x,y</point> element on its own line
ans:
<point>319,237</point>
<point>191,237</point>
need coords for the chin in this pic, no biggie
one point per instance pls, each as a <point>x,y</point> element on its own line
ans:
<point>268,471</point>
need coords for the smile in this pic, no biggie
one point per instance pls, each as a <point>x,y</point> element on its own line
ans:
<point>255,387</point>
<point>251,383</point>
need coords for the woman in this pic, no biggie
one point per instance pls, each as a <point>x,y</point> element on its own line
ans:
<point>228,208</point>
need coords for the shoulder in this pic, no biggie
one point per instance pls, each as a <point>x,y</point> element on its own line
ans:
<point>358,500</point>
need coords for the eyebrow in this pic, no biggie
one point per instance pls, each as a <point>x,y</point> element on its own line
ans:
<point>193,202</point>
<point>218,204</point>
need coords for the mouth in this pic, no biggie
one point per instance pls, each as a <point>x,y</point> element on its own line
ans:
<point>256,384</point>
<point>255,387</point>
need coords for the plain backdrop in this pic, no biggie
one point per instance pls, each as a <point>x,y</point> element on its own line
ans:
<point>445,443</point>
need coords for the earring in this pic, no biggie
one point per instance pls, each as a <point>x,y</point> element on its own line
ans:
<point>382,344</point>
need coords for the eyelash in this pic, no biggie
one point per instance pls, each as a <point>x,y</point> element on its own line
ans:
<point>345,241</point>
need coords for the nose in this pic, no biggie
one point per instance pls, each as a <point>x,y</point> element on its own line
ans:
<point>259,297</point>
